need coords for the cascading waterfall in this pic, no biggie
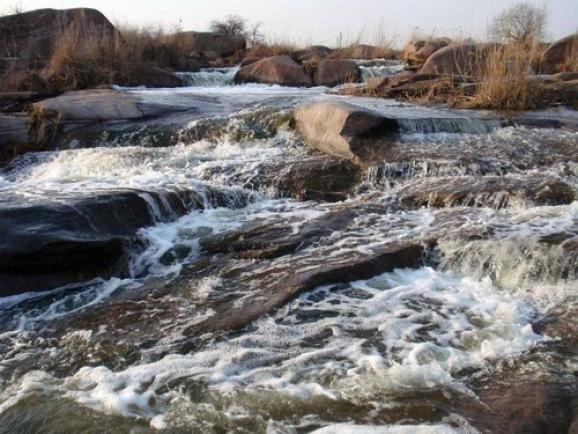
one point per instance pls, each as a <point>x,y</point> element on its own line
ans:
<point>210,77</point>
<point>390,352</point>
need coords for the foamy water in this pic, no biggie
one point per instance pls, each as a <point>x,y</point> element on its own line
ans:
<point>354,357</point>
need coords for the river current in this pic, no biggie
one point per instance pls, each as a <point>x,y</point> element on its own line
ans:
<point>412,350</point>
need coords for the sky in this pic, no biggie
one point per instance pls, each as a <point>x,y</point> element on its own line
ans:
<point>321,21</point>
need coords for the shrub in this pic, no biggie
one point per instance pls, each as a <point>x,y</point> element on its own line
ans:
<point>521,23</point>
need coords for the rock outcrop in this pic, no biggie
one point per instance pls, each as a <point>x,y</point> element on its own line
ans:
<point>343,130</point>
<point>28,40</point>
<point>332,72</point>
<point>282,70</point>
<point>561,56</point>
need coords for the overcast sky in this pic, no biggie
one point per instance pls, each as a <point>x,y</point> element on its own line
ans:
<point>321,21</point>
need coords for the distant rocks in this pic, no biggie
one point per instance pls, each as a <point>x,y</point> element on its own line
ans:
<point>457,59</point>
<point>28,40</point>
<point>561,56</point>
<point>282,70</point>
<point>332,72</point>
<point>418,51</point>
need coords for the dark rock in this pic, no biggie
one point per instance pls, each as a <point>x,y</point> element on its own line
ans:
<point>84,236</point>
<point>333,72</point>
<point>493,191</point>
<point>19,101</point>
<point>281,70</point>
<point>150,76</point>
<point>17,135</point>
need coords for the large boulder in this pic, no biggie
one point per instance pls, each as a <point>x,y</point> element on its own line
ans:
<point>28,40</point>
<point>149,76</point>
<point>207,44</point>
<point>561,56</point>
<point>333,72</point>
<point>458,59</point>
<point>281,70</point>
<point>342,129</point>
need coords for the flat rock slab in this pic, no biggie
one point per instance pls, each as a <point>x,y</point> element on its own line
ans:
<point>85,235</point>
<point>103,105</point>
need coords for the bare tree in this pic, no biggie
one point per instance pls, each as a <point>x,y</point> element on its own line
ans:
<point>521,23</point>
<point>231,25</point>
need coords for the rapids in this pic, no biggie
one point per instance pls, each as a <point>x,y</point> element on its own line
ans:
<point>198,330</point>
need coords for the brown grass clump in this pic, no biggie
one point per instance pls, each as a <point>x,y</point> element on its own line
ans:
<point>503,80</point>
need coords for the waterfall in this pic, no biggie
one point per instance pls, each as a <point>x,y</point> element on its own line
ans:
<point>209,77</point>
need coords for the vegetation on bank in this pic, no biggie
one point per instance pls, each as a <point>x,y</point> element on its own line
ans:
<point>497,75</point>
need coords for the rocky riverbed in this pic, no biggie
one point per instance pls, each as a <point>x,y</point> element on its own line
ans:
<point>257,259</point>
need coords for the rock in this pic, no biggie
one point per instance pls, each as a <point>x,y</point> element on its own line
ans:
<point>492,191</point>
<point>46,244</point>
<point>249,60</point>
<point>281,70</point>
<point>17,136</point>
<point>410,51</point>
<point>279,282</point>
<point>102,105</point>
<point>149,76</point>
<point>28,40</point>
<point>333,72</point>
<point>19,101</point>
<point>561,56</point>
<point>213,45</point>
<point>430,48</point>
<point>312,53</point>
<point>559,92</point>
<point>522,408</point>
<point>419,51</point>
<point>412,85</point>
<point>362,52</point>
<point>343,130</point>
<point>458,59</point>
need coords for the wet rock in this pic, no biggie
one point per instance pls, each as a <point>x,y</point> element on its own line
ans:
<point>522,408</point>
<point>61,240</point>
<point>561,56</point>
<point>102,105</point>
<point>570,244</point>
<point>16,136</point>
<point>282,70</point>
<point>333,72</point>
<point>275,284</point>
<point>559,92</point>
<point>344,130</point>
<point>492,191</point>
<point>150,76</point>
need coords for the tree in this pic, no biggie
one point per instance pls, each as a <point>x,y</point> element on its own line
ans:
<point>521,23</point>
<point>231,25</point>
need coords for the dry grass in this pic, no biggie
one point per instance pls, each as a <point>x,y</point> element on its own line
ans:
<point>88,57</point>
<point>503,79</point>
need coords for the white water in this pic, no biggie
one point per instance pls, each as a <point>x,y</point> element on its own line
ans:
<point>366,343</point>
<point>211,77</point>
